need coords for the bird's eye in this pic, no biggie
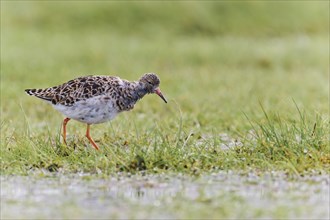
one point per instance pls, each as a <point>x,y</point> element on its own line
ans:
<point>149,82</point>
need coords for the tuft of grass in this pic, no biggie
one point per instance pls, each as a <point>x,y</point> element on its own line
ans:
<point>296,145</point>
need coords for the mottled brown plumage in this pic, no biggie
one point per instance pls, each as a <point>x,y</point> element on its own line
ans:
<point>97,99</point>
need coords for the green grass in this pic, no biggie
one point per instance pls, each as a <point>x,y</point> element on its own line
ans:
<point>247,72</point>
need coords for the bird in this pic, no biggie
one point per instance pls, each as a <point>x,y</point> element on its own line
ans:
<point>96,99</point>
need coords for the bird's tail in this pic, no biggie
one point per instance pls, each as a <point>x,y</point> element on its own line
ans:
<point>39,93</point>
<point>34,92</point>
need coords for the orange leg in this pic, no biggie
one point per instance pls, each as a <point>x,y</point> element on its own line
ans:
<point>65,121</point>
<point>91,139</point>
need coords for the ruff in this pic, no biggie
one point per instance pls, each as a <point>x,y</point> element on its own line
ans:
<point>97,99</point>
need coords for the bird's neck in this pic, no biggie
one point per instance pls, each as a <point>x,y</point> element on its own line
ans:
<point>138,91</point>
<point>133,92</point>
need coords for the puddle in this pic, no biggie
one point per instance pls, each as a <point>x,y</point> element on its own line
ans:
<point>164,196</point>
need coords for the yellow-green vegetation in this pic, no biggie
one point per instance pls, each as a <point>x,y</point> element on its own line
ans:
<point>247,84</point>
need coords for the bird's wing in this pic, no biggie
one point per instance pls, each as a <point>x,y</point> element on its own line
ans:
<point>83,88</point>
<point>77,89</point>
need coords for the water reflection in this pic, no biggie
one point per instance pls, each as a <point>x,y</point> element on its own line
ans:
<point>56,196</point>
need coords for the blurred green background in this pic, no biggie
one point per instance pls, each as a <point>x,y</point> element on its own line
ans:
<point>215,59</point>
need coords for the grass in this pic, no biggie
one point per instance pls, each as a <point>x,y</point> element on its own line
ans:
<point>235,73</point>
<point>295,147</point>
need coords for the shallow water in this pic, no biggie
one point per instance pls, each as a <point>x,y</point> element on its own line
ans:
<point>218,195</point>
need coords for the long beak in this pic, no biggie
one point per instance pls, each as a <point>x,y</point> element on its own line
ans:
<point>158,92</point>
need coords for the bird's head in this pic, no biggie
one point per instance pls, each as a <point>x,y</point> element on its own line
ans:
<point>151,83</point>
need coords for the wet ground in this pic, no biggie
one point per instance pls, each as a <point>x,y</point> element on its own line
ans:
<point>217,195</point>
